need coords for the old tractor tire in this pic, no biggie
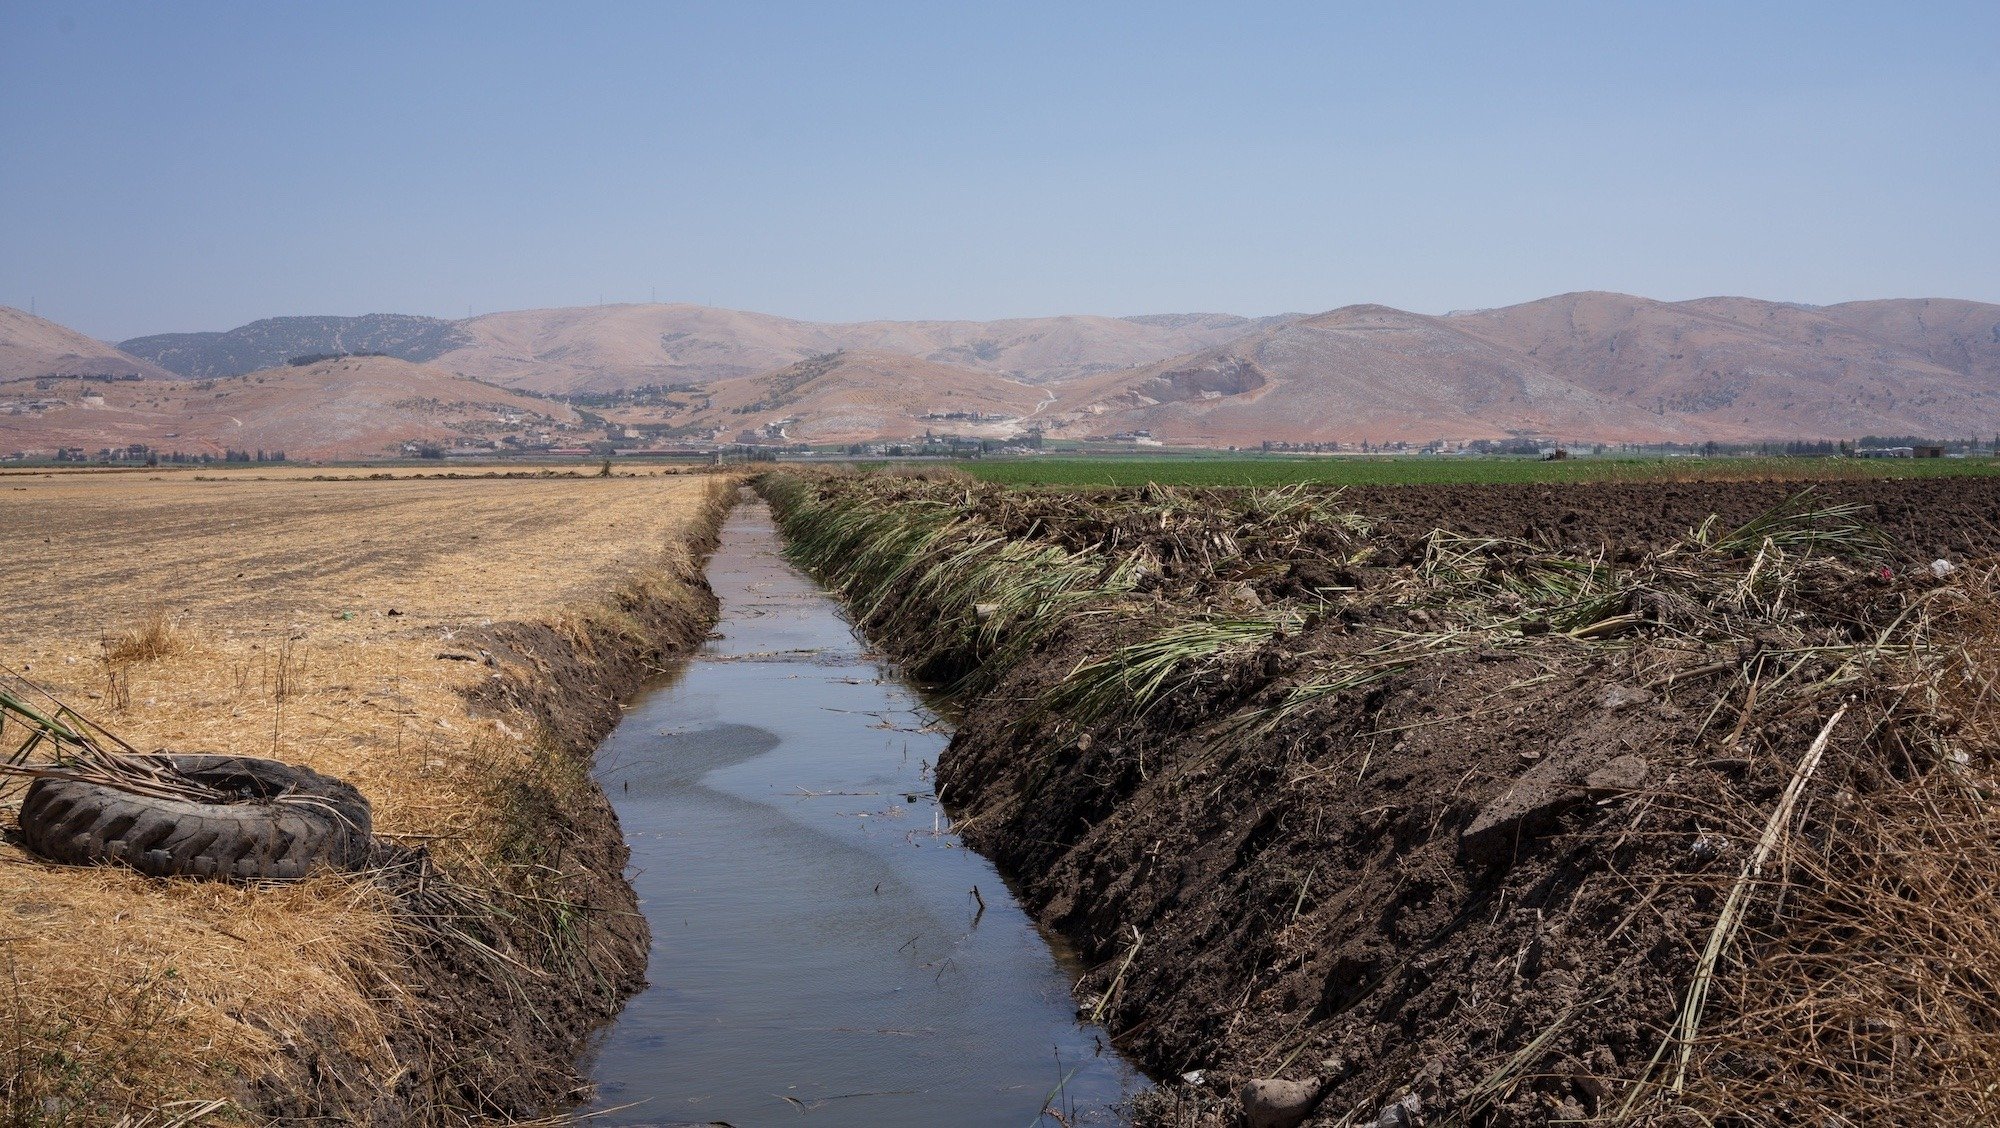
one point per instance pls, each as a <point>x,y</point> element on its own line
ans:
<point>252,838</point>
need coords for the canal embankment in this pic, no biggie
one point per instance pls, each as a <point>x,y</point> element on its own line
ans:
<point>823,941</point>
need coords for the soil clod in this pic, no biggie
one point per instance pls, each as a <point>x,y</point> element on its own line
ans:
<point>1271,1103</point>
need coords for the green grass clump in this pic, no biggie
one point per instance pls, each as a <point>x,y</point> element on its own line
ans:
<point>1130,679</point>
<point>965,600</point>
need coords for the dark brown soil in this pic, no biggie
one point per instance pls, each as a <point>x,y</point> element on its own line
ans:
<point>1307,909</point>
<point>1925,518</point>
<point>1921,519</point>
<point>1400,891</point>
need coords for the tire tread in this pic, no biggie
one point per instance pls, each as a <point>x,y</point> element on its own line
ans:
<point>254,840</point>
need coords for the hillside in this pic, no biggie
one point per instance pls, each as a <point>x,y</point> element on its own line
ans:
<point>1958,335</point>
<point>861,395</point>
<point>1605,367</point>
<point>1584,367</point>
<point>1052,350</point>
<point>354,407</point>
<point>276,340</point>
<point>613,347</point>
<point>33,346</point>
<point>1362,372</point>
<point>605,348</point>
<point>1741,367</point>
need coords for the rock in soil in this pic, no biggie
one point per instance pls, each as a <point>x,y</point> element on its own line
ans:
<point>1536,799</point>
<point>1405,1113</point>
<point>1619,777</point>
<point>1271,1103</point>
<point>1621,697</point>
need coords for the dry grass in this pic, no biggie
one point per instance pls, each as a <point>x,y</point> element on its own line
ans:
<point>321,609</point>
<point>1867,989</point>
<point>123,994</point>
<point>158,635</point>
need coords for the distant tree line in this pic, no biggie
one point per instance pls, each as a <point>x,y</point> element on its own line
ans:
<point>1811,448</point>
<point>315,358</point>
<point>139,452</point>
<point>643,395</point>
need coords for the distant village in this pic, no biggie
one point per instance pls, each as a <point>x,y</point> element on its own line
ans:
<point>497,433</point>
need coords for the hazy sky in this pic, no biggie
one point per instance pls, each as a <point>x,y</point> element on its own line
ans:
<point>170,166</point>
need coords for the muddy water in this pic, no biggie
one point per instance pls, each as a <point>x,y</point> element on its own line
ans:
<point>818,955</point>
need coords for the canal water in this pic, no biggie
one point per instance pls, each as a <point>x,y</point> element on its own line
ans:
<point>819,955</point>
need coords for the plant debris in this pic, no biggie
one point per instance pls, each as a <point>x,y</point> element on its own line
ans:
<point>1483,806</point>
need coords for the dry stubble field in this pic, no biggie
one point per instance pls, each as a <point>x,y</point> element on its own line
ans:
<point>305,620</point>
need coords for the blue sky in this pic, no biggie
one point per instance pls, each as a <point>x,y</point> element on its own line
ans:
<point>171,166</point>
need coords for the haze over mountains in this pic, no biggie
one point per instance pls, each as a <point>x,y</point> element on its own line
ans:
<point>1581,367</point>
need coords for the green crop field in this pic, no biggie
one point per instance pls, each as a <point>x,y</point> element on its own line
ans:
<point>1258,471</point>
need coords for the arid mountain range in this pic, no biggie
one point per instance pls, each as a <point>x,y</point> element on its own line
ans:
<point>1580,367</point>
<point>1593,366</point>
<point>345,408</point>
<point>614,347</point>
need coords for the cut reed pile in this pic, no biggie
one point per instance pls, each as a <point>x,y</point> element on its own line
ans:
<point>962,599</point>
<point>379,632</point>
<point>56,741</point>
<point>1494,829</point>
<point>966,591</point>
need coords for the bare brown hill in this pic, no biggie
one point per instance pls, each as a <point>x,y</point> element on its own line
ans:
<point>1605,367</point>
<point>1738,367</point>
<point>862,395</point>
<point>606,348</point>
<point>1959,335</point>
<point>1360,373</point>
<point>33,346</point>
<point>349,407</point>
<point>1053,350</point>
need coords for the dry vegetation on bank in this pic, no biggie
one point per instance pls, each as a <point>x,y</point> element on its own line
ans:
<point>450,648</point>
<point>1621,817</point>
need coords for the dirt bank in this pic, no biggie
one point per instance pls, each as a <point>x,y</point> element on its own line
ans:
<point>457,649</point>
<point>1563,814</point>
<point>499,1033</point>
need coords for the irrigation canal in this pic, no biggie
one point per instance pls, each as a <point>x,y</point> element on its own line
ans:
<point>818,955</point>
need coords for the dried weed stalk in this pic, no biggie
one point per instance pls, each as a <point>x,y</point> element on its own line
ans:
<point>159,635</point>
<point>1865,986</point>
